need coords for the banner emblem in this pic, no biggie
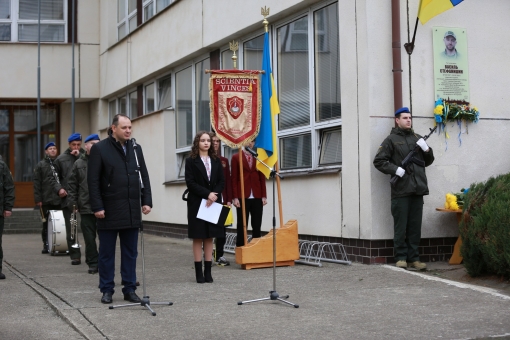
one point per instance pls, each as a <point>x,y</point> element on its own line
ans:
<point>235,105</point>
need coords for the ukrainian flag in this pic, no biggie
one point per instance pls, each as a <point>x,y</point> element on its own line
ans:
<point>266,142</point>
<point>430,8</point>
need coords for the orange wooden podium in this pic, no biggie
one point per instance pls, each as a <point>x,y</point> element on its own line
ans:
<point>259,252</point>
<point>456,257</point>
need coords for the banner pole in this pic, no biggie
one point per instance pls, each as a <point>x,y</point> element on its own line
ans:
<point>243,207</point>
<point>280,209</point>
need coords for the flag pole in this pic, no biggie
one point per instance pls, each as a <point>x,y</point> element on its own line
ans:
<point>234,47</point>
<point>280,209</point>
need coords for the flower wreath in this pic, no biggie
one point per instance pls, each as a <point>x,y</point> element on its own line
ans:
<point>446,111</point>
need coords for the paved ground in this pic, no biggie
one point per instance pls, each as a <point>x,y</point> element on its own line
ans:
<point>44,297</point>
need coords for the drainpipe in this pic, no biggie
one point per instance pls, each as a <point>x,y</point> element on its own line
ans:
<point>397,59</point>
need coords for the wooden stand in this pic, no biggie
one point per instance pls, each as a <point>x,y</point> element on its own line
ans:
<point>456,257</point>
<point>259,252</point>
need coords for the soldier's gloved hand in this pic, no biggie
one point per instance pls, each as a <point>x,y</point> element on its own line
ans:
<point>400,172</point>
<point>423,145</point>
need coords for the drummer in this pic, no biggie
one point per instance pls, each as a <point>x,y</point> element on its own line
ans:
<point>44,196</point>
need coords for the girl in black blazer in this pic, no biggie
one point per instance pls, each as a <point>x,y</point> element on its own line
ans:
<point>204,179</point>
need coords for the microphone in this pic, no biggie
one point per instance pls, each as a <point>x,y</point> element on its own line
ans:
<point>134,143</point>
<point>250,150</point>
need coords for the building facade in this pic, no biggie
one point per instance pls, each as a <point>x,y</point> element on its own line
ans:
<point>333,67</point>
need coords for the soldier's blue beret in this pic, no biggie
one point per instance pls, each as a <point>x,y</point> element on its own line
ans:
<point>48,145</point>
<point>92,137</point>
<point>74,137</point>
<point>402,110</point>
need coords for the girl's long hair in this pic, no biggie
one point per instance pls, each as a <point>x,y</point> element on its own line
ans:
<point>195,151</point>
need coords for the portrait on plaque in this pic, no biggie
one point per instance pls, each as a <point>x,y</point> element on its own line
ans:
<point>451,75</point>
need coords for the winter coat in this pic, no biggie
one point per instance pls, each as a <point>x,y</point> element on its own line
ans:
<point>43,189</point>
<point>390,155</point>
<point>6,189</point>
<point>114,184</point>
<point>78,193</point>
<point>200,187</point>
<point>63,165</point>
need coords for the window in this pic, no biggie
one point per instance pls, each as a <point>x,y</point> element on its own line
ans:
<point>122,106</point>
<point>133,104</point>
<point>164,92</point>
<point>151,7</point>
<point>203,113</point>
<point>252,53</point>
<point>149,98</point>
<point>183,109</point>
<point>112,110</point>
<point>126,17</point>
<point>19,20</point>
<point>308,79</point>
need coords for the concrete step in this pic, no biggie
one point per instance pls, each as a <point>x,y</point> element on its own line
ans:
<point>23,221</point>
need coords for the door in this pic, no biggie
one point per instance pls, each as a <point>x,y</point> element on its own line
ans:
<point>18,144</point>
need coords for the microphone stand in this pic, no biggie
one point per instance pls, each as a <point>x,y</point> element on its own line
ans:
<point>145,300</point>
<point>273,294</point>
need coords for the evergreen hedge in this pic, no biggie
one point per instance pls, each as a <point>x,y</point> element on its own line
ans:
<point>485,227</point>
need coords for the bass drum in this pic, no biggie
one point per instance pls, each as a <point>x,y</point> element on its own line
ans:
<point>57,242</point>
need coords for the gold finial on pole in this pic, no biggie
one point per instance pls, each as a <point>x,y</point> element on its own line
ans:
<point>265,12</point>
<point>234,46</point>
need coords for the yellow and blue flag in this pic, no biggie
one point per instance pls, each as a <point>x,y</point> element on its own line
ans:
<point>266,142</point>
<point>430,8</point>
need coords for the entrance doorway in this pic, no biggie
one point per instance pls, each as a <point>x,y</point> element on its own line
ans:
<point>18,144</point>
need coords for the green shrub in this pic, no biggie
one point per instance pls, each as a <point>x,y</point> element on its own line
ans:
<point>485,227</point>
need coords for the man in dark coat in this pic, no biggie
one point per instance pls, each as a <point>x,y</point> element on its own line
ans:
<point>6,203</point>
<point>63,165</point>
<point>407,194</point>
<point>114,191</point>
<point>44,195</point>
<point>78,198</point>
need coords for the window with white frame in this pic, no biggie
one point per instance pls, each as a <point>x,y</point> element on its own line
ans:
<point>126,17</point>
<point>202,110</point>
<point>133,104</point>
<point>19,20</point>
<point>149,98</point>
<point>151,7</point>
<point>308,79</point>
<point>112,110</point>
<point>164,92</point>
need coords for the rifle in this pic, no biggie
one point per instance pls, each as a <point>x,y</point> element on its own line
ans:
<point>410,159</point>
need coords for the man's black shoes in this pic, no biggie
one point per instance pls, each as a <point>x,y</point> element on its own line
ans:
<point>92,270</point>
<point>2,276</point>
<point>76,262</point>
<point>132,297</point>
<point>107,297</point>
<point>45,249</point>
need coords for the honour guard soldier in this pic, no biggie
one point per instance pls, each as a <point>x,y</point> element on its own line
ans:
<point>78,196</point>
<point>6,203</point>
<point>63,165</point>
<point>44,196</point>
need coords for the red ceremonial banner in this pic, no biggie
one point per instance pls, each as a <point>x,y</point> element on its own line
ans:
<point>235,105</point>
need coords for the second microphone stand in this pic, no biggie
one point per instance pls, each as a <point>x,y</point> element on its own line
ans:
<point>273,294</point>
<point>145,299</point>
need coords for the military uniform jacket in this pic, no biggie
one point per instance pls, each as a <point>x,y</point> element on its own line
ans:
<point>64,164</point>
<point>6,188</point>
<point>43,189</point>
<point>78,193</point>
<point>390,155</point>
<point>114,184</point>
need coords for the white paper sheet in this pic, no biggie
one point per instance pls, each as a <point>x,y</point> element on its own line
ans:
<point>211,213</point>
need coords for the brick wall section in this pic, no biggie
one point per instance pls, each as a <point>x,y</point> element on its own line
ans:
<point>361,251</point>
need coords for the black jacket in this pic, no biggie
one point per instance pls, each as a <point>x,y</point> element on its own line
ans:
<point>6,189</point>
<point>78,193</point>
<point>390,155</point>
<point>200,187</point>
<point>114,184</point>
<point>63,165</point>
<point>43,189</point>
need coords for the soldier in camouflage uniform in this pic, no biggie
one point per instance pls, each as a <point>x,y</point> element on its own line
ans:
<point>44,195</point>
<point>6,203</point>
<point>63,165</point>
<point>78,196</point>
